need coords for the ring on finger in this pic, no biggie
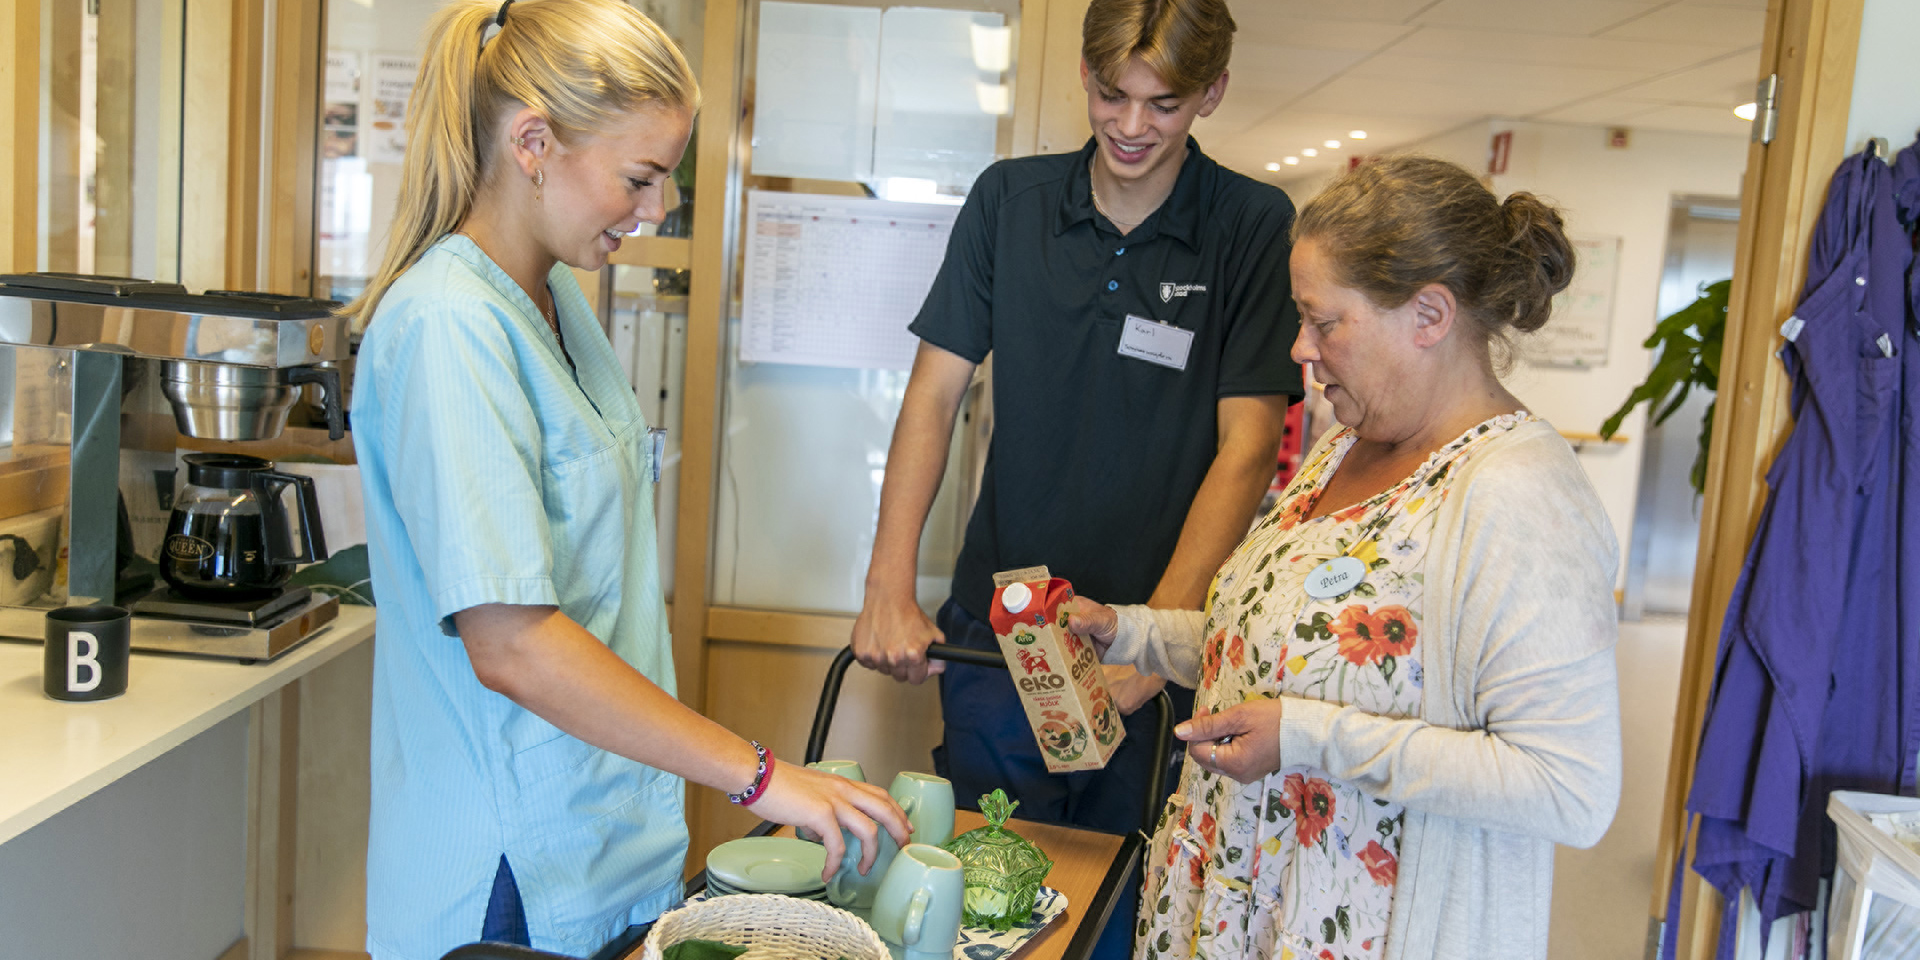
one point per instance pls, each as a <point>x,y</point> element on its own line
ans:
<point>1213,756</point>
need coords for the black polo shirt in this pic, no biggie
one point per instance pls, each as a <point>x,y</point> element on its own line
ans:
<point>1096,456</point>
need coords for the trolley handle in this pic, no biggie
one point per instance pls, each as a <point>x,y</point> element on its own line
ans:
<point>830,699</point>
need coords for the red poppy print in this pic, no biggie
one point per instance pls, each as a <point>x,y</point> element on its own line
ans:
<point>1311,800</point>
<point>1210,660</point>
<point>1370,636</point>
<point>1209,830</point>
<point>1380,864</point>
<point>1296,509</point>
<point>1237,653</point>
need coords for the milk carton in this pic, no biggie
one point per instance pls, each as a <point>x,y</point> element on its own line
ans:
<point>1057,672</point>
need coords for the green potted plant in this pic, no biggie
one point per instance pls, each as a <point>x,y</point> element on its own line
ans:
<point>1689,343</point>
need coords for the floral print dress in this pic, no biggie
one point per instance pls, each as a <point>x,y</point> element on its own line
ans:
<point>1301,866</point>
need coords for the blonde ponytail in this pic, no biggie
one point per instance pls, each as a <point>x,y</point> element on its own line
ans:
<point>581,64</point>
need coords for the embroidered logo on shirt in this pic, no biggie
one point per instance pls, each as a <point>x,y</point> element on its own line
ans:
<point>1170,290</point>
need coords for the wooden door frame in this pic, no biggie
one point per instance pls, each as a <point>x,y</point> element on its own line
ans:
<point>1810,45</point>
<point>20,119</point>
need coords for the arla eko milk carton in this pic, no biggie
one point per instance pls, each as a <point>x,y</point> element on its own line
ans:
<point>1057,672</point>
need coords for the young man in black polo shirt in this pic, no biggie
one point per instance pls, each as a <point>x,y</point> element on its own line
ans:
<point>1136,300</point>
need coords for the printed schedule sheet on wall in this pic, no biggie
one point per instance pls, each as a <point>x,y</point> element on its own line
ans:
<point>833,281</point>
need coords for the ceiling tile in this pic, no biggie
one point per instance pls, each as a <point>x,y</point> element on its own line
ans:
<point>1492,82</point>
<point>1577,18</point>
<point>1495,46</point>
<point>1708,28</point>
<point>1270,68</point>
<point>1727,81</point>
<point>1368,11</point>
<point>1690,119</point>
<point>1264,22</point>
<point>1599,110</point>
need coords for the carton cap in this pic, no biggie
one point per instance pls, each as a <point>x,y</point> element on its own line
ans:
<point>1015,597</point>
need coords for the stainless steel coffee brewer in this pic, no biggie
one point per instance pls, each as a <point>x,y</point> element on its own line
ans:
<point>95,368</point>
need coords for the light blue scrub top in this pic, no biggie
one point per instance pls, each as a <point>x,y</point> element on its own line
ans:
<point>492,476</point>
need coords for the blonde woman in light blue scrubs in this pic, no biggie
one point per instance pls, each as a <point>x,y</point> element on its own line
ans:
<point>528,751</point>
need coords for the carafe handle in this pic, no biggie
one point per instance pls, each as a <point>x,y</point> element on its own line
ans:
<point>313,540</point>
<point>329,380</point>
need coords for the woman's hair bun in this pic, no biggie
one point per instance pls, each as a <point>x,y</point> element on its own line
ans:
<point>1397,223</point>
<point>1543,259</point>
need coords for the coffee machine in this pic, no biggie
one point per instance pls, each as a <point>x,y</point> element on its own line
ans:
<point>94,369</point>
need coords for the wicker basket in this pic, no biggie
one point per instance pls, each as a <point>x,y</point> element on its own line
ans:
<point>771,927</point>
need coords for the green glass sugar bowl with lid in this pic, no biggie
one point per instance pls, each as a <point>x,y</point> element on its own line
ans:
<point>1003,869</point>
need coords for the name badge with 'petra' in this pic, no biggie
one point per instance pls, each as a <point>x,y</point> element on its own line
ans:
<point>1160,343</point>
<point>1335,577</point>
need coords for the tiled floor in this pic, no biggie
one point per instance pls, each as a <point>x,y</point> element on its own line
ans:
<point>1602,896</point>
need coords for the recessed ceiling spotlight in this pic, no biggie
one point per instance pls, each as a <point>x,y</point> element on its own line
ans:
<point>1291,161</point>
<point>1273,168</point>
<point>1746,111</point>
<point>1332,144</point>
<point>1356,134</point>
<point>1309,152</point>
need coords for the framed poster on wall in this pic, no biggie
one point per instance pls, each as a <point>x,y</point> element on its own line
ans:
<point>1582,323</point>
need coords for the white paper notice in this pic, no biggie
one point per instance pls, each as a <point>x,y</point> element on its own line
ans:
<point>393,78</point>
<point>815,68</point>
<point>1581,327</point>
<point>834,281</point>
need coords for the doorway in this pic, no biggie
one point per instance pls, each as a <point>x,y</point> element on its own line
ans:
<point>1701,236</point>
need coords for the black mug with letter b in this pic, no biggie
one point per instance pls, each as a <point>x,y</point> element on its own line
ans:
<point>87,650</point>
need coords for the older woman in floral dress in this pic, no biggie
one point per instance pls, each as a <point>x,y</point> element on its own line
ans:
<point>1407,691</point>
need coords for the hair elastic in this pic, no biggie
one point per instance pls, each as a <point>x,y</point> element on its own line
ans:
<point>500,19</point>
<point>493,27</point>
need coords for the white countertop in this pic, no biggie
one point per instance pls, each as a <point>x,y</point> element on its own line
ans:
<point>54,753</point>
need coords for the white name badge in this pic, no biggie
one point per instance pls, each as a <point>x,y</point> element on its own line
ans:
<point>1160,343</point>
<point>1335,577</point>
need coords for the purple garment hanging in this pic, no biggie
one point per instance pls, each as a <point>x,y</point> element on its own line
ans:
<point>1817,682</point>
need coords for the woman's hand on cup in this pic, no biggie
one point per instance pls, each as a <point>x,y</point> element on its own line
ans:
<point>1242,741</point>
<point>824,802</point>
<point>1094,620</point>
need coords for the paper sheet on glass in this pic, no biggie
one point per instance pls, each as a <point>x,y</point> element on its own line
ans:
<point>393,78</point>
<point>834,281</point>
<point>815,70</point>
<point>1578,333</point>
<point>941,94</point>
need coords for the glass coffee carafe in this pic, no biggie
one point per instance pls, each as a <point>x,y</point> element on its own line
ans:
<point>231,536</point>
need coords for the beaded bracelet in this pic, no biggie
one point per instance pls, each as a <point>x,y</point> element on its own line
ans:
<point>746,797</point>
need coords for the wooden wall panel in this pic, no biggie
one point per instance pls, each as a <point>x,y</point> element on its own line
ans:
<point>113,122</point>
<point>206,127</point>
<point>298,47</point>
<point>20,118</point>
<point>62,130</point>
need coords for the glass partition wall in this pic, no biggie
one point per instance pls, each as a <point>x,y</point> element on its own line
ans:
<point>845,103</point>
<point>110,122</point>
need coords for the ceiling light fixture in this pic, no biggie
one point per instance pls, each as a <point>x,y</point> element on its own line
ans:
<point>1746,111</point>
<point>1309,152</point>
<point>1273,168</point>
<point>1356,134</point>
<point>1332,144</point>
<point>1291,161</point>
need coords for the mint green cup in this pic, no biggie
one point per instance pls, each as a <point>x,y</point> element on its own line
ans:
<point>920,902</point>
<point>839,768</point>
<point>928,801</point>
<point>848,888</point>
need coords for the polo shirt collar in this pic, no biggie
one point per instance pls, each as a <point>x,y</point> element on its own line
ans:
<point>1178,217</point>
